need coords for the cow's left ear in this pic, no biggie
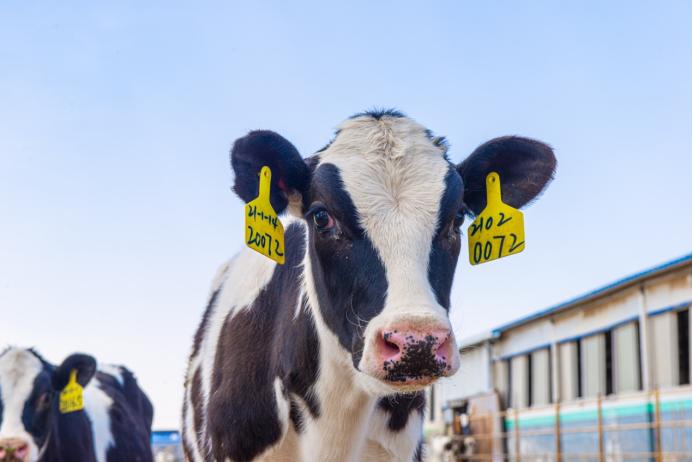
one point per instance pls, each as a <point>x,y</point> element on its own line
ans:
<point>525,167</point>
<point>290,173</point>
<point>84,364</point>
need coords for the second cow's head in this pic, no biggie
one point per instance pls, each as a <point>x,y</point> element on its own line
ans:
<point>384,207</point>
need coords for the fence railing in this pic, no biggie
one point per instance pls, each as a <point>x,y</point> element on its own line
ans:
<point>646,426</point>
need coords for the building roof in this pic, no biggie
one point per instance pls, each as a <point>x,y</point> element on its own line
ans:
<point>597,293</point>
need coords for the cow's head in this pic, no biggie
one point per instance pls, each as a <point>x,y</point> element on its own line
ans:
<point>384,208</point>
<point>29,390</point>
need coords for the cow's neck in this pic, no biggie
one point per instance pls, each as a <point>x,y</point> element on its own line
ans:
<point>341,430</point>
<point>64,445</point>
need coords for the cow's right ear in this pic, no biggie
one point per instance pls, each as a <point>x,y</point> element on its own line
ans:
<point>290,174</point>
<point>85,366</point>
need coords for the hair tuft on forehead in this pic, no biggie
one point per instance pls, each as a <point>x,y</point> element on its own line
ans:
<point>379,113</point>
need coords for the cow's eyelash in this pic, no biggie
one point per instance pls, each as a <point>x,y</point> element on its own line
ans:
<point>314,208</point>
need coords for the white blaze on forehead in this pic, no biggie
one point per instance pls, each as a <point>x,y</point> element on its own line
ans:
<point>395,177</point>
<point>18,369</point>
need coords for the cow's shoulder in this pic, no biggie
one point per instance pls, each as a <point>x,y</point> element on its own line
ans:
<point>256,367</point>
<point>120,414</point>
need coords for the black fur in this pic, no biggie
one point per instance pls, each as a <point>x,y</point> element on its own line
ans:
<point>84,364</point>
<point>263,147</point>
<point>445,247</point>
<point>349,277</point>
<point>525,167</point>
<point>400,406</point>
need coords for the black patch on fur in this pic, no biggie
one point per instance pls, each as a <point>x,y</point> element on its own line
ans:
<point>37,416</point>
<point>379,113</point>
<point>257,344</point>
<point>445,248</point>
<point>263,147</point>
<point>349,277</point>
<point>400,407</point>
<point>525,167</point>
<point>298,359</point>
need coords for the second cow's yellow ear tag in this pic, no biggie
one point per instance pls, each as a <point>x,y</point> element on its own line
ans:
<point>264,232</point>
<point>71,398</point>
<point>499,230</point>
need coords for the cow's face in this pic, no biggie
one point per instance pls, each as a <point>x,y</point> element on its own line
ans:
<point>384,206</point>
<point>29,388</point>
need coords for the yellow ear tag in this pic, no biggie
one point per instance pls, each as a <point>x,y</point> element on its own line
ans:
<point>264,232</point>
<point>71,398</point>
<point>499,230</point>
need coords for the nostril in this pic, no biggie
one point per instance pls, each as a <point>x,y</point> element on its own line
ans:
<point>22,450</point>
<point>443,350</point>
<point>390,348</point>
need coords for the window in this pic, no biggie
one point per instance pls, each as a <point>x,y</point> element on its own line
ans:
<point>626,357</point>
<point>519,381</point>
<point>664,357</point>
<point>609,362</point>
<point>501,380</point>
<point>684,344</point>
<point>593,365</point>
<point>540,377</point>
<point>568,371</point>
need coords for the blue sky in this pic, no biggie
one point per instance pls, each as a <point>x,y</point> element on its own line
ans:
<point>116,120</point>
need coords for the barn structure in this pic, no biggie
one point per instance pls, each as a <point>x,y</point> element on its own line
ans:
<point>604,376</point>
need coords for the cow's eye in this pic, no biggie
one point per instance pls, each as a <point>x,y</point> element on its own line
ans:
<point>323,220</point>
<point>43,401</point>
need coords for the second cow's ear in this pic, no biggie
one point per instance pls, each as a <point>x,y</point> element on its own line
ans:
<point>290,174</point>
<point>85,366</point>
<point>525,167</point>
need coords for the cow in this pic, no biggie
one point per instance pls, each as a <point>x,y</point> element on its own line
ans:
<point>325,358</point>
<point>114,425</point>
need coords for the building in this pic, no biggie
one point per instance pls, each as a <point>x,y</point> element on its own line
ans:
<point>604,376</point>
<point>166,446</point>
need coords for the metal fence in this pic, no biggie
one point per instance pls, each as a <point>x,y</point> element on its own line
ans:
<point>653,427</point>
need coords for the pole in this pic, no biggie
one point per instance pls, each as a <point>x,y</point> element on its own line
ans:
<point>657,429</point>
<point>600,428</point>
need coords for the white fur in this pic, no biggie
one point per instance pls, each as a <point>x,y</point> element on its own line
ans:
<point>97,404</point>
<point>18,369</point>
<point>114,371</point>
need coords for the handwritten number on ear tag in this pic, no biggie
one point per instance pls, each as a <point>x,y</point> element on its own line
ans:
<point>499,230</point>
<point>264,232</point>
<point>71,398</point>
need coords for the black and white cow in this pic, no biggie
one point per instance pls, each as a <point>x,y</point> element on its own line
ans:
<point>114,426</point>
<point>325,358</point>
